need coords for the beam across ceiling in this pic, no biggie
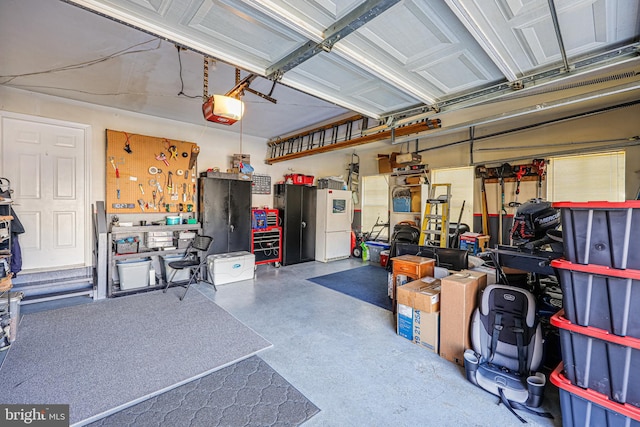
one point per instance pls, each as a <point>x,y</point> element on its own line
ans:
<point>355,19</point>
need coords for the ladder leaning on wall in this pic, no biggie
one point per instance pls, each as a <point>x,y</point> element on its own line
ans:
<point>435,222</point>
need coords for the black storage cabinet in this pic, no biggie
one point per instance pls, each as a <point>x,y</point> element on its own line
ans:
<point>225,213</point>
<point>296,206</point>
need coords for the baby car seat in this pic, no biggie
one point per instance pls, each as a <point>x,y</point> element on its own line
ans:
<point>507,348</point>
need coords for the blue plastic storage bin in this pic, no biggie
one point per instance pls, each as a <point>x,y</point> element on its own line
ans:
<point>375,248</point>
<point>402,204</point>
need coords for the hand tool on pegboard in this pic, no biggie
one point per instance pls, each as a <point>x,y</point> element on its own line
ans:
<point>503,171</point>
<point>154,193</point>
<point>520,171</point>
<point>127,145</point>
<point>541,169</point>
<point>481,172</point>
<point>112,160</point>
<point>195,150</point>
<point>170,182</point>
<point>173,152</point>
<point>162,157</point>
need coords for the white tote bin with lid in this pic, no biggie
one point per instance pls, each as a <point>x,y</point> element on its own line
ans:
<point>133,273</point>
<point>181,275</point>
<point>231,267</point>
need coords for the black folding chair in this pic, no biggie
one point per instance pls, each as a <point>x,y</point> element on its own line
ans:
<point>194,262</point>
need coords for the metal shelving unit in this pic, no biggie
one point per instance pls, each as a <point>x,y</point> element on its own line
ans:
<point>113,287</point>
<point>397,180</point>
<point>7,335</point>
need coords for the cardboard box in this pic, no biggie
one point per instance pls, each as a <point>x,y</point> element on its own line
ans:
<point>422,294</point>
<point>240,158</point>
<point>419,327</point>
<point>413,180</point>
<point>474,242</point>
<point>458,298</point>
<point>426,330</point>
<point>384,163</point>
<point>416,199</point>
<point>490,271</point>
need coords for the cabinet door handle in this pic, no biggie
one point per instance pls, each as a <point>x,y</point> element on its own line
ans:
<point>232,227</point>
<point>304,224</point>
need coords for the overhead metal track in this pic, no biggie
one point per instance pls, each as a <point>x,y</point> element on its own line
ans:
<point>349,23</point>
<point>527,86</point>
<point>556,27</point>
<point>336,136</point>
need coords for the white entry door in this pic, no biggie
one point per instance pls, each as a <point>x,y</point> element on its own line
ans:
<point>45,162</point>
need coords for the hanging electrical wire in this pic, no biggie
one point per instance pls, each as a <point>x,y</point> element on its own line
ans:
<point>126,51</point>
<point>181,93</point>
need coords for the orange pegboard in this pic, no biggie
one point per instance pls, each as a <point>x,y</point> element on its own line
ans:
<point>135,170</point>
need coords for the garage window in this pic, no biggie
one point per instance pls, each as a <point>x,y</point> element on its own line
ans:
<point>587,178</point>
<point>461,191</point>
<point>375,202</point>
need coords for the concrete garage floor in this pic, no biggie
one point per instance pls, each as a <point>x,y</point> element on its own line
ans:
<point>344,355</point>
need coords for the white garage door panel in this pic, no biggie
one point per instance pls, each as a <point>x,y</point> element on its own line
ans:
<point>265,42</point>
<point>520,35</point>
<point>337,77</point>
<point>422,47</point>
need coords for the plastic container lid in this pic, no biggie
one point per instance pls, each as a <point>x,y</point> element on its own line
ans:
<point>133,261</point>
<point>563,383</point>
<point>629,204</point>
<point>600,270</point>
<point>378,244</point>
<point>559,321</point>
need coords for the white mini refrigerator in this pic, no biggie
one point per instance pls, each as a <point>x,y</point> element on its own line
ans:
<point>231,267</point>
<point>334,215</point>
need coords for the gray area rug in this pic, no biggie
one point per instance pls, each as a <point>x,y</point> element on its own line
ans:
<point>248,393</point>
<point>105,356</point>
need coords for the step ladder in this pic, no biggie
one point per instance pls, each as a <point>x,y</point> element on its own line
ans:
<point>435,222</point>
<point>353,179</point>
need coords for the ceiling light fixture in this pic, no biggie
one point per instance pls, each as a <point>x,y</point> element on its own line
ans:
<point>228,108</point>
<point>223,109</point>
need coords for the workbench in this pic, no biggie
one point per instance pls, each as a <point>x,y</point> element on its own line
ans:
<point>117,232</point>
